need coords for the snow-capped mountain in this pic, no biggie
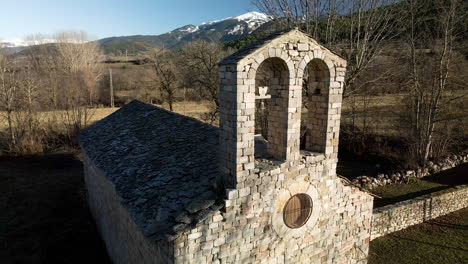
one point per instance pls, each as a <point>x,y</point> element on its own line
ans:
<point>12,46</point>
<point>17,43</point>
<point>12,43</point>
<point>187,28</point>
<point>218,31</point>
<point>253,20</point>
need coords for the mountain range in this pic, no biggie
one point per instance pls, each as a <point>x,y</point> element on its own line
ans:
<point>219,31</point>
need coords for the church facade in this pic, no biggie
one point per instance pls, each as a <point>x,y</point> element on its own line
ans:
<point>165,188</point>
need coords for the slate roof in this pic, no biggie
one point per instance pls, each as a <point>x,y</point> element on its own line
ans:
<point>163,166</point>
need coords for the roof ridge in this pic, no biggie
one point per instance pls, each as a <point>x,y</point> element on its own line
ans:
<point>174,113</point>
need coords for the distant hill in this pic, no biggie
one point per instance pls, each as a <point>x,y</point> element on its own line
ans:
<point>130,48</point>
<point>216,31</point>
<point>220,31</point>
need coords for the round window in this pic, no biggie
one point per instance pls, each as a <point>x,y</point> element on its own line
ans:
<point>297,210</point>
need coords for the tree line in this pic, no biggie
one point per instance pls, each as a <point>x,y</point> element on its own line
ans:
<point>49,92</point>
<point>413,48</point>
<point>51,86</point>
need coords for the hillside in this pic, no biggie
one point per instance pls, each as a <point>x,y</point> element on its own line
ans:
<point>129,48</point>
<point>216,31</point>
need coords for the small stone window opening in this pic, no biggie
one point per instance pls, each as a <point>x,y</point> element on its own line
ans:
<point>297,210</point>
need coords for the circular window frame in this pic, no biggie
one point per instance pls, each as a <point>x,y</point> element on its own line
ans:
<point>283,195</point>
<point>307,210</point>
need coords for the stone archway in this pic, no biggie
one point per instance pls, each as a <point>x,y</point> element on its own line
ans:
<point>316,87</point>
<point>238,87</point>
<point>271,115</point>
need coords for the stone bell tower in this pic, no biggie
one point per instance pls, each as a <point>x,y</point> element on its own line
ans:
<point>291,60</point>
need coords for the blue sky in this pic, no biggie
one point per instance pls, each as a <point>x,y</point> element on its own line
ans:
<point>105,18</point>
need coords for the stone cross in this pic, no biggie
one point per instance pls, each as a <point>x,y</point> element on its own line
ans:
<point>262,91</point>
<point>262,94</point>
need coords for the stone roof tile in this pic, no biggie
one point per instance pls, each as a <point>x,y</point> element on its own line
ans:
<point>163,166</point>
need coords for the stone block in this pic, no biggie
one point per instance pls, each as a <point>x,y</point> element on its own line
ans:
<point>244,192</point>
<point>303,47</point>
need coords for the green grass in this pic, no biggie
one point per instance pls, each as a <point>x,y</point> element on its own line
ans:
<point>443,240</point>
<point>416,187</point>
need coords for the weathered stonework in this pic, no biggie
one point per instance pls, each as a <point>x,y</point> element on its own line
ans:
<point>431,168</point>
<point>125,242</point>
<point>246,231</point>
<point>241,221</point>
<point>394,217</point>
<point>237,114</point>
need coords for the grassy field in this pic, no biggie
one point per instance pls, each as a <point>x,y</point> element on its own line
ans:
<point>190,108</point>
<point>417,187</point>
<point>55,116</point>
<point>443,240</point>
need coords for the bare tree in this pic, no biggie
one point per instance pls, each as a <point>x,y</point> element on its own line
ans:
<point>166,76</point>
<point>300,13</point>
<point>29,127</point>
<point>2,48</point>
<point>65,55</point>
<point>429,74</point>
<point>9,86</point>
<point>199,64</point>
<point>356,28</point>
<point>78,55</point>
<point>369,25</point>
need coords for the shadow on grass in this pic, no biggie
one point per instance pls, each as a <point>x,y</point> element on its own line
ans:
<point>452,177</point>
<point>391,200</point>
<point>45,217</point>
<point>438,241</point>
<point>394,193</point>
<point>461,227</point>
<point>427,243</point>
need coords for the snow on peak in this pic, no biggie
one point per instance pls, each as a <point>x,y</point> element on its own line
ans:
<point>253,16</point>
<point>253,19</point>
<point>24,43</point>
<point>13,43</point>
<point>187,28</point>
<point>239,29</point>
<point>247,17</point>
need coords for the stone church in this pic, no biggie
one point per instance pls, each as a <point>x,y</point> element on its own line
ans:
<point>166,188</point>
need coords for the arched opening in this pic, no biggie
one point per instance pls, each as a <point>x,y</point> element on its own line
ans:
<point>271,109</point>
<point>315,93</point>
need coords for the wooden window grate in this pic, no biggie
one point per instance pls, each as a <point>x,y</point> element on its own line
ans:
<point>297,210</point>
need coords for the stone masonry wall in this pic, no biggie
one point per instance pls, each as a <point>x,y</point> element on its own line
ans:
<point>237,100</point>
<point>124,241</point>
<point>250,229</point>
<point>394,217</point>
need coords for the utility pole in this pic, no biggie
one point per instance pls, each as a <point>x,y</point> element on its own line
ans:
<point>111,88</point>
